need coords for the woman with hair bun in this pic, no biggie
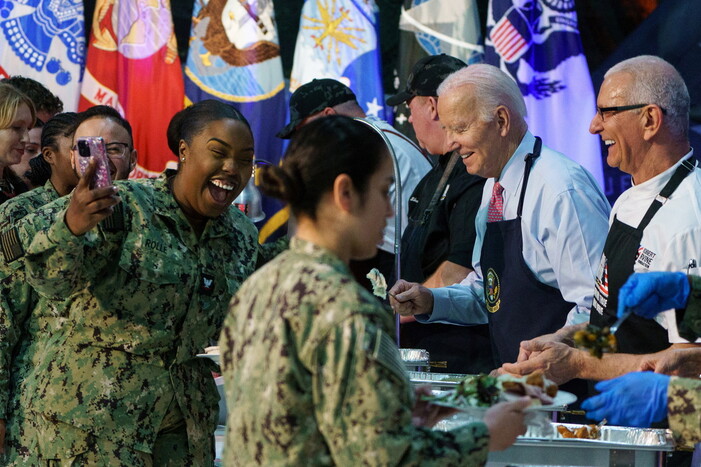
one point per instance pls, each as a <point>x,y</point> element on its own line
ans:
<point>141,272</point>
<point>312,374</point>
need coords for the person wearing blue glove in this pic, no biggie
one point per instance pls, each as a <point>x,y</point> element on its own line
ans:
<point>653,292</point>
<point>640,399</point>
<point>634,399</point>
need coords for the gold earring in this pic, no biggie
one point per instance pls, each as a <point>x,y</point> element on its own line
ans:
<point>182,159</point>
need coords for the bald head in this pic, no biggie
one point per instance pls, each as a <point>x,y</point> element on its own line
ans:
<point>655,81</point>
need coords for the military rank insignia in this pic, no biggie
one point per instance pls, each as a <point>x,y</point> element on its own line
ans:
<point>207,284</point>
<point>492,289</point>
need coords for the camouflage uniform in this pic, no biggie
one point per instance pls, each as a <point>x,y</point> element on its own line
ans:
<point>690,325</point>
<point>684,410</point>
<point>142,295</point>
<point>314,378</point>
<point>20,328</point>
<point>684,395</point>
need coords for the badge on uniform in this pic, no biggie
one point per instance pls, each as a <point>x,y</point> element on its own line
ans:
<point>492,290</point>
<point>11,245</point>
<point>206,284</point>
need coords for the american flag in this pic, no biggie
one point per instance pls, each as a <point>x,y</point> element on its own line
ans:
<point>508,41</point>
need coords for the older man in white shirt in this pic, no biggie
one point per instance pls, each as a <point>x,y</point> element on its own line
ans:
<point>643,118</point>
<point>540,229</point>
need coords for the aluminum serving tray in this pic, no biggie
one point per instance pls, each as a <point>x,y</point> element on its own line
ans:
<point>616,446</point>
<point>436,380</point>
<point>415,359</point>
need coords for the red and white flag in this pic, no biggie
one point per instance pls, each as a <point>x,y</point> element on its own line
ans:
<point>133,66</point>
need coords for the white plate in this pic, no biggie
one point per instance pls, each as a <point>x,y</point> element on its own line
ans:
<point>560,402</point>
<point>212,356</point>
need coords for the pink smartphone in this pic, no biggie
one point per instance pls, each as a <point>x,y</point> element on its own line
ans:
<point>93,147</point>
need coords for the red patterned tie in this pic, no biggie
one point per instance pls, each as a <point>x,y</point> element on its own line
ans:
<point>495,213</point>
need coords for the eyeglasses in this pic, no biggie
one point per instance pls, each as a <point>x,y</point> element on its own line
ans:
<point>116,151</point>
<point>622,108</point>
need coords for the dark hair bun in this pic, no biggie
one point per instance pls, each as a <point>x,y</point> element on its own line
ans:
<point>277,183</point>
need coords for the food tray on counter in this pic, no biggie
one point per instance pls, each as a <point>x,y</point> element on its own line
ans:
<point>415,359</point>
<point>436,380</point>
<point>619,446</point>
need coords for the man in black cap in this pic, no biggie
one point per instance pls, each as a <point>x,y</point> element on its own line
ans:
<point>438,242</point>
<point>323,97</point>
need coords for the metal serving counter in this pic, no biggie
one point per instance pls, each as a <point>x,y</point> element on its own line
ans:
<point>616,446</point>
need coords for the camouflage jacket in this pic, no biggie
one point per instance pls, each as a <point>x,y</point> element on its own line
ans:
<point>684,410</point>
<point>142,295</point>
<point>690,325</point>
<point>313,377</point>
<point>18,329</point>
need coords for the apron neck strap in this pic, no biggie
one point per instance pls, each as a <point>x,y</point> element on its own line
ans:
<point>439,188</point>
<point>679,175</point>
<point>530,158</point>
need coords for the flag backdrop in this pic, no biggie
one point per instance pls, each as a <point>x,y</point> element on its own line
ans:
<point>432,27</point>
<point>234,56</point>
<point>539,45</point>
<point>338,39</point>
<point>44,40</point>
<point>446,26</point>
<point>133,66</point>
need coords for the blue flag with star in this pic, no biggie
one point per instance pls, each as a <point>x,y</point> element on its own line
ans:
<point>338,39</point>
<point>234,56</point>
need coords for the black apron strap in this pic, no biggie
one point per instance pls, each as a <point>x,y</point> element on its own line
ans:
<point>530,158</point>
<point>679,175</point>
<point>439,188</point>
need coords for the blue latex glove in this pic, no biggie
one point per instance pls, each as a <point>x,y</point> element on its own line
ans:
<point>651,292</point>
<point>634,399</point>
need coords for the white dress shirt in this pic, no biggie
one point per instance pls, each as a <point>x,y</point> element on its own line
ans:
<point>564,225</point>
<point>673,236</point>
<point>413,165</point>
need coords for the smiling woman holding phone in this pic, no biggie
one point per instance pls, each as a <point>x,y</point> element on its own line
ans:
<point>143,271</point>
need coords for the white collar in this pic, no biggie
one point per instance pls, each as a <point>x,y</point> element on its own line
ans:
<point>653,186</point>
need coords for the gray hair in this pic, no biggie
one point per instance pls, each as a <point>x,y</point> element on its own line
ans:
<point>492,87</point>
<point>656,81</point>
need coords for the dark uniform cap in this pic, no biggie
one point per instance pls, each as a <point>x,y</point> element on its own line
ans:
<point>314,97</point>
<point>425,77</point>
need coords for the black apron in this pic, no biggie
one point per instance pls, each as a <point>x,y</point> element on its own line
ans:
<point>622,248</point>
<point>520,307</point>
<point>451,348</point>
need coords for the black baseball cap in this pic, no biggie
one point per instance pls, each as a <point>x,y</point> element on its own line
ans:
<point>425,77</point>
<point>314,97</point>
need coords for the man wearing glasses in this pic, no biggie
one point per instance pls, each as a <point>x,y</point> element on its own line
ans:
<point>643,119</point>
<point>106,122</point>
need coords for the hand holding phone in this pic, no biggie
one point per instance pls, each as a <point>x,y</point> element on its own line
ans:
<point>94,198</point>
<point>93,148</point>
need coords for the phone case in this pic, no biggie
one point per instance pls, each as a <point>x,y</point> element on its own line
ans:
<point>93,147</point>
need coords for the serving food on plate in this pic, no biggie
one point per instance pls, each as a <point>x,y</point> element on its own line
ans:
<point>485,391</point>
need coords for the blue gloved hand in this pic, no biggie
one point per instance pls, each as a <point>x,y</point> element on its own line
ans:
<point>634,399</point>
<point>651,292</point>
